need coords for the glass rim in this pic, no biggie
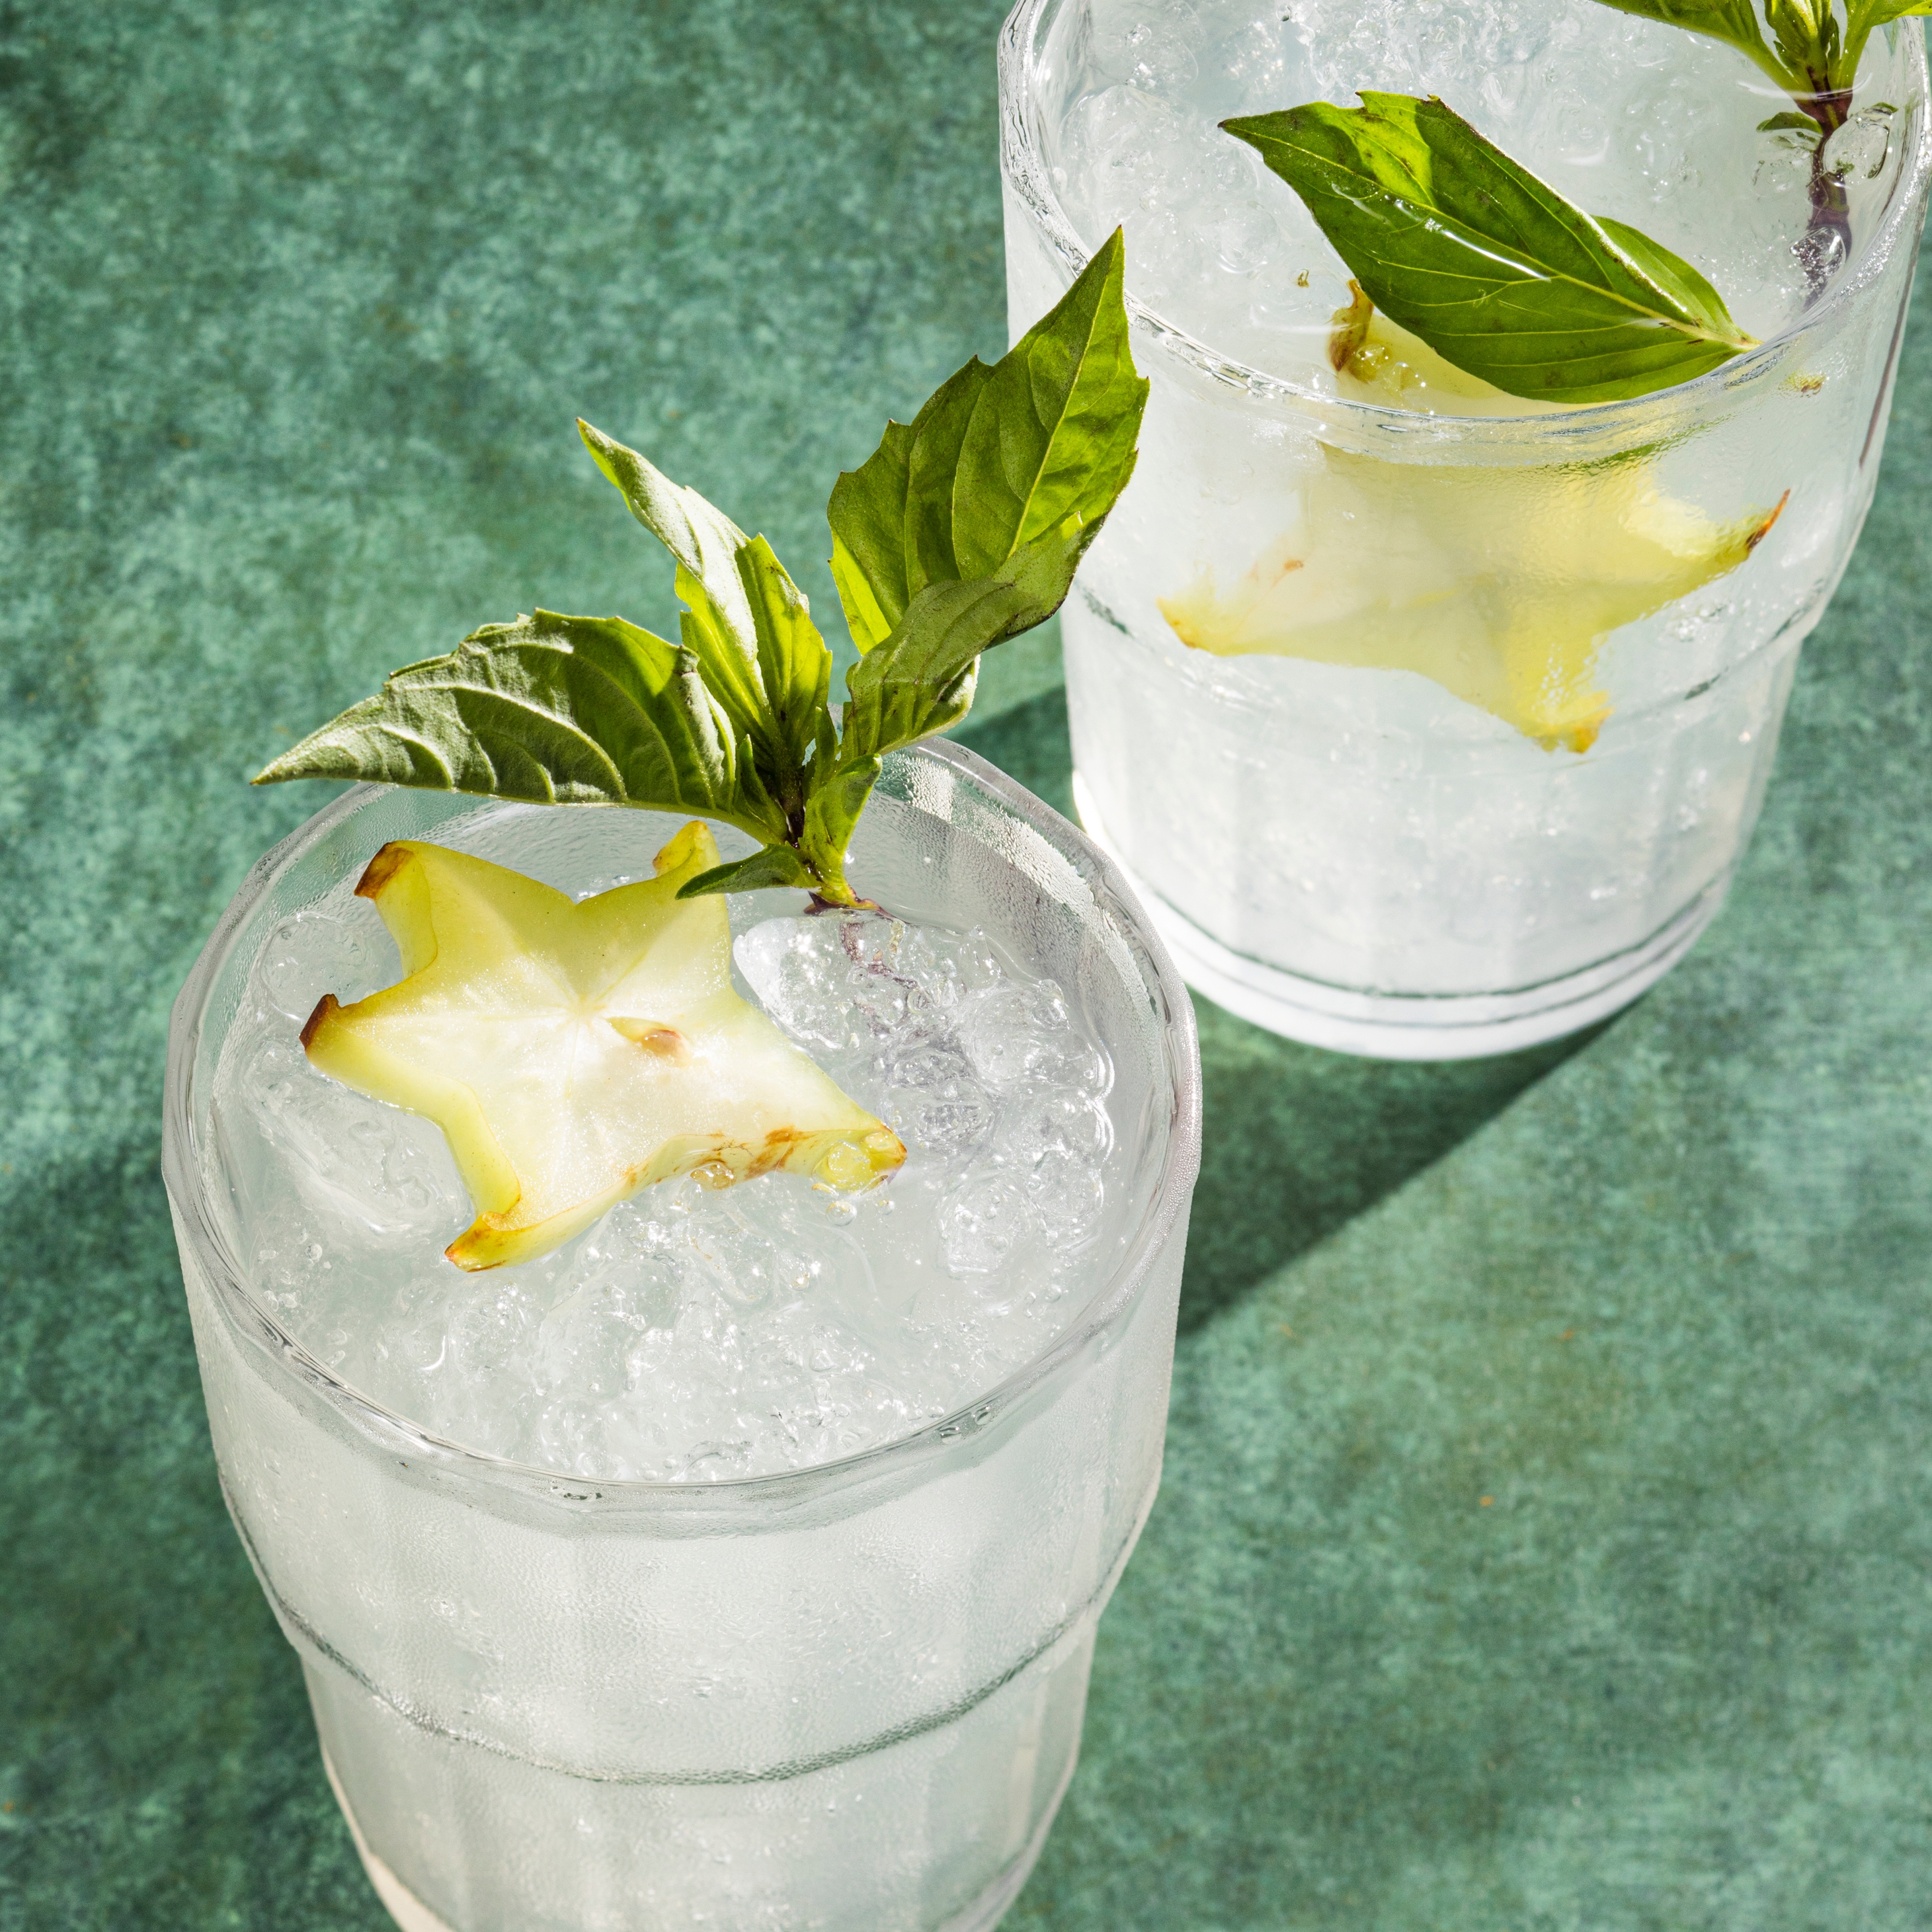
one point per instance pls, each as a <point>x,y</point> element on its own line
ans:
<point>1023,166</point>
<point>1118,1292</point>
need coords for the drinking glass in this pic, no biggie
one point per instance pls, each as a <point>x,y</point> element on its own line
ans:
<point>849,1695</point>
<point>1349,852</point>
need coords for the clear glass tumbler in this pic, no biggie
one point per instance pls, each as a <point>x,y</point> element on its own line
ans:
<point>850,1696</point>
<point>1367,858</point>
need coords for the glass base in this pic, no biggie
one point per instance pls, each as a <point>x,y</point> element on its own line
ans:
<point>411,1915</point>
<point>402,1904</point>
<point>1402,1026</point>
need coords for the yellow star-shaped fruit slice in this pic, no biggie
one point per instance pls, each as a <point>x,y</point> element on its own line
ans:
<point>572,1054</point>
<point>1501,585</point>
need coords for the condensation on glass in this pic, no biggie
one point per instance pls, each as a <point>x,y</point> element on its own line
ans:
<point>851,1695</point>
<point>1354,856</point>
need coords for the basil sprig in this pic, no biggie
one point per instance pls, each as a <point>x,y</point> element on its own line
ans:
<point>1492,268</point>
<point>964,528</point>
<point>1508,280</point>
<point>1812,54</point>
<point>961,531</point>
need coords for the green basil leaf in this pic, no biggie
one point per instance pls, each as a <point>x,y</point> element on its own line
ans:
<point>1489,266</point>
<point>920,680</point>
<point>998,459</point>
<point>1865,18</point>
<point>776,865</point>
<point>719,628</point>
<point>761,809</point>
<point>794,666</point>
<point>938,448</point>
<point>893,710</point>
<point>1050,442</point>
<point>864,616</point>
<point>892,518</point>
<point>1684,284</point>
<point>965,529</point>
<point>868,516</point>
<point>551,710</point>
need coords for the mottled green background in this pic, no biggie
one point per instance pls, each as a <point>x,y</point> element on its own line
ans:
<point>298,304</point>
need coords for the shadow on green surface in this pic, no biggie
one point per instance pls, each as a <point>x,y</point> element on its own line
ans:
<point>1297,1142</point>
<point>158,1768</point>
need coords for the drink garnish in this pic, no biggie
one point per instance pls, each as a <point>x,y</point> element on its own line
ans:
<point>1813,56</point>
<point>1492,268</point>
<point>1506,279</point>
<point>1377,361</point>
<point>961,531</point>
<point>1500,585</point>
<point>1476,286</point>
<point>574,1053</point>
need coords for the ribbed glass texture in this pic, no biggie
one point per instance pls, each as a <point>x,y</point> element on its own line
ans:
<point>851,1696</point>
<point>1354,855</point>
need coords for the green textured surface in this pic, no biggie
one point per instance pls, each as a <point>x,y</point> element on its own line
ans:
<point>298,304</point>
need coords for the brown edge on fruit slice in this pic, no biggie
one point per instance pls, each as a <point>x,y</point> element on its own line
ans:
<point>375,875</point>
<point>879,1147</point>
<point>1578,738</point>
<point>1351,328</point>
<point>1763,530</point>
<point>381,869</point>
<point>715,1161</point>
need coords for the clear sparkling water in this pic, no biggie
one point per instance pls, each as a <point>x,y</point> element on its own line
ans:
<point>1627,118</point>
<point>690,1335</point>
<point>1338,840</point>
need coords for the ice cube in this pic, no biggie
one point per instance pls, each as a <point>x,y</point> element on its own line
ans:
<point>714,1462</point>
<point>1017,1035</point>
<point>1065,1190</point>
<point>837,980</point>
<point>1246,239</point>
<point>691,1336</point>
<point>936,1101</point>
<point>586,1343</point>
<point>747,1265</point>
<point>1860,148</point>
<point>333,948</point>
<point>798,972</point>
<point>1149,41</point>
<point>982,1220</point>
<point>948,968</point>
<point>390,1170</point>
<point>1057,1121</point>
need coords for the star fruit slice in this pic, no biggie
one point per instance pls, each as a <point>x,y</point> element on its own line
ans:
<point>1501,585</point>
<point>572,1054</point>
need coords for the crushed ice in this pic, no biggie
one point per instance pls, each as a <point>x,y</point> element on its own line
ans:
<point>1641,122</point>
<point>694,1335</point>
